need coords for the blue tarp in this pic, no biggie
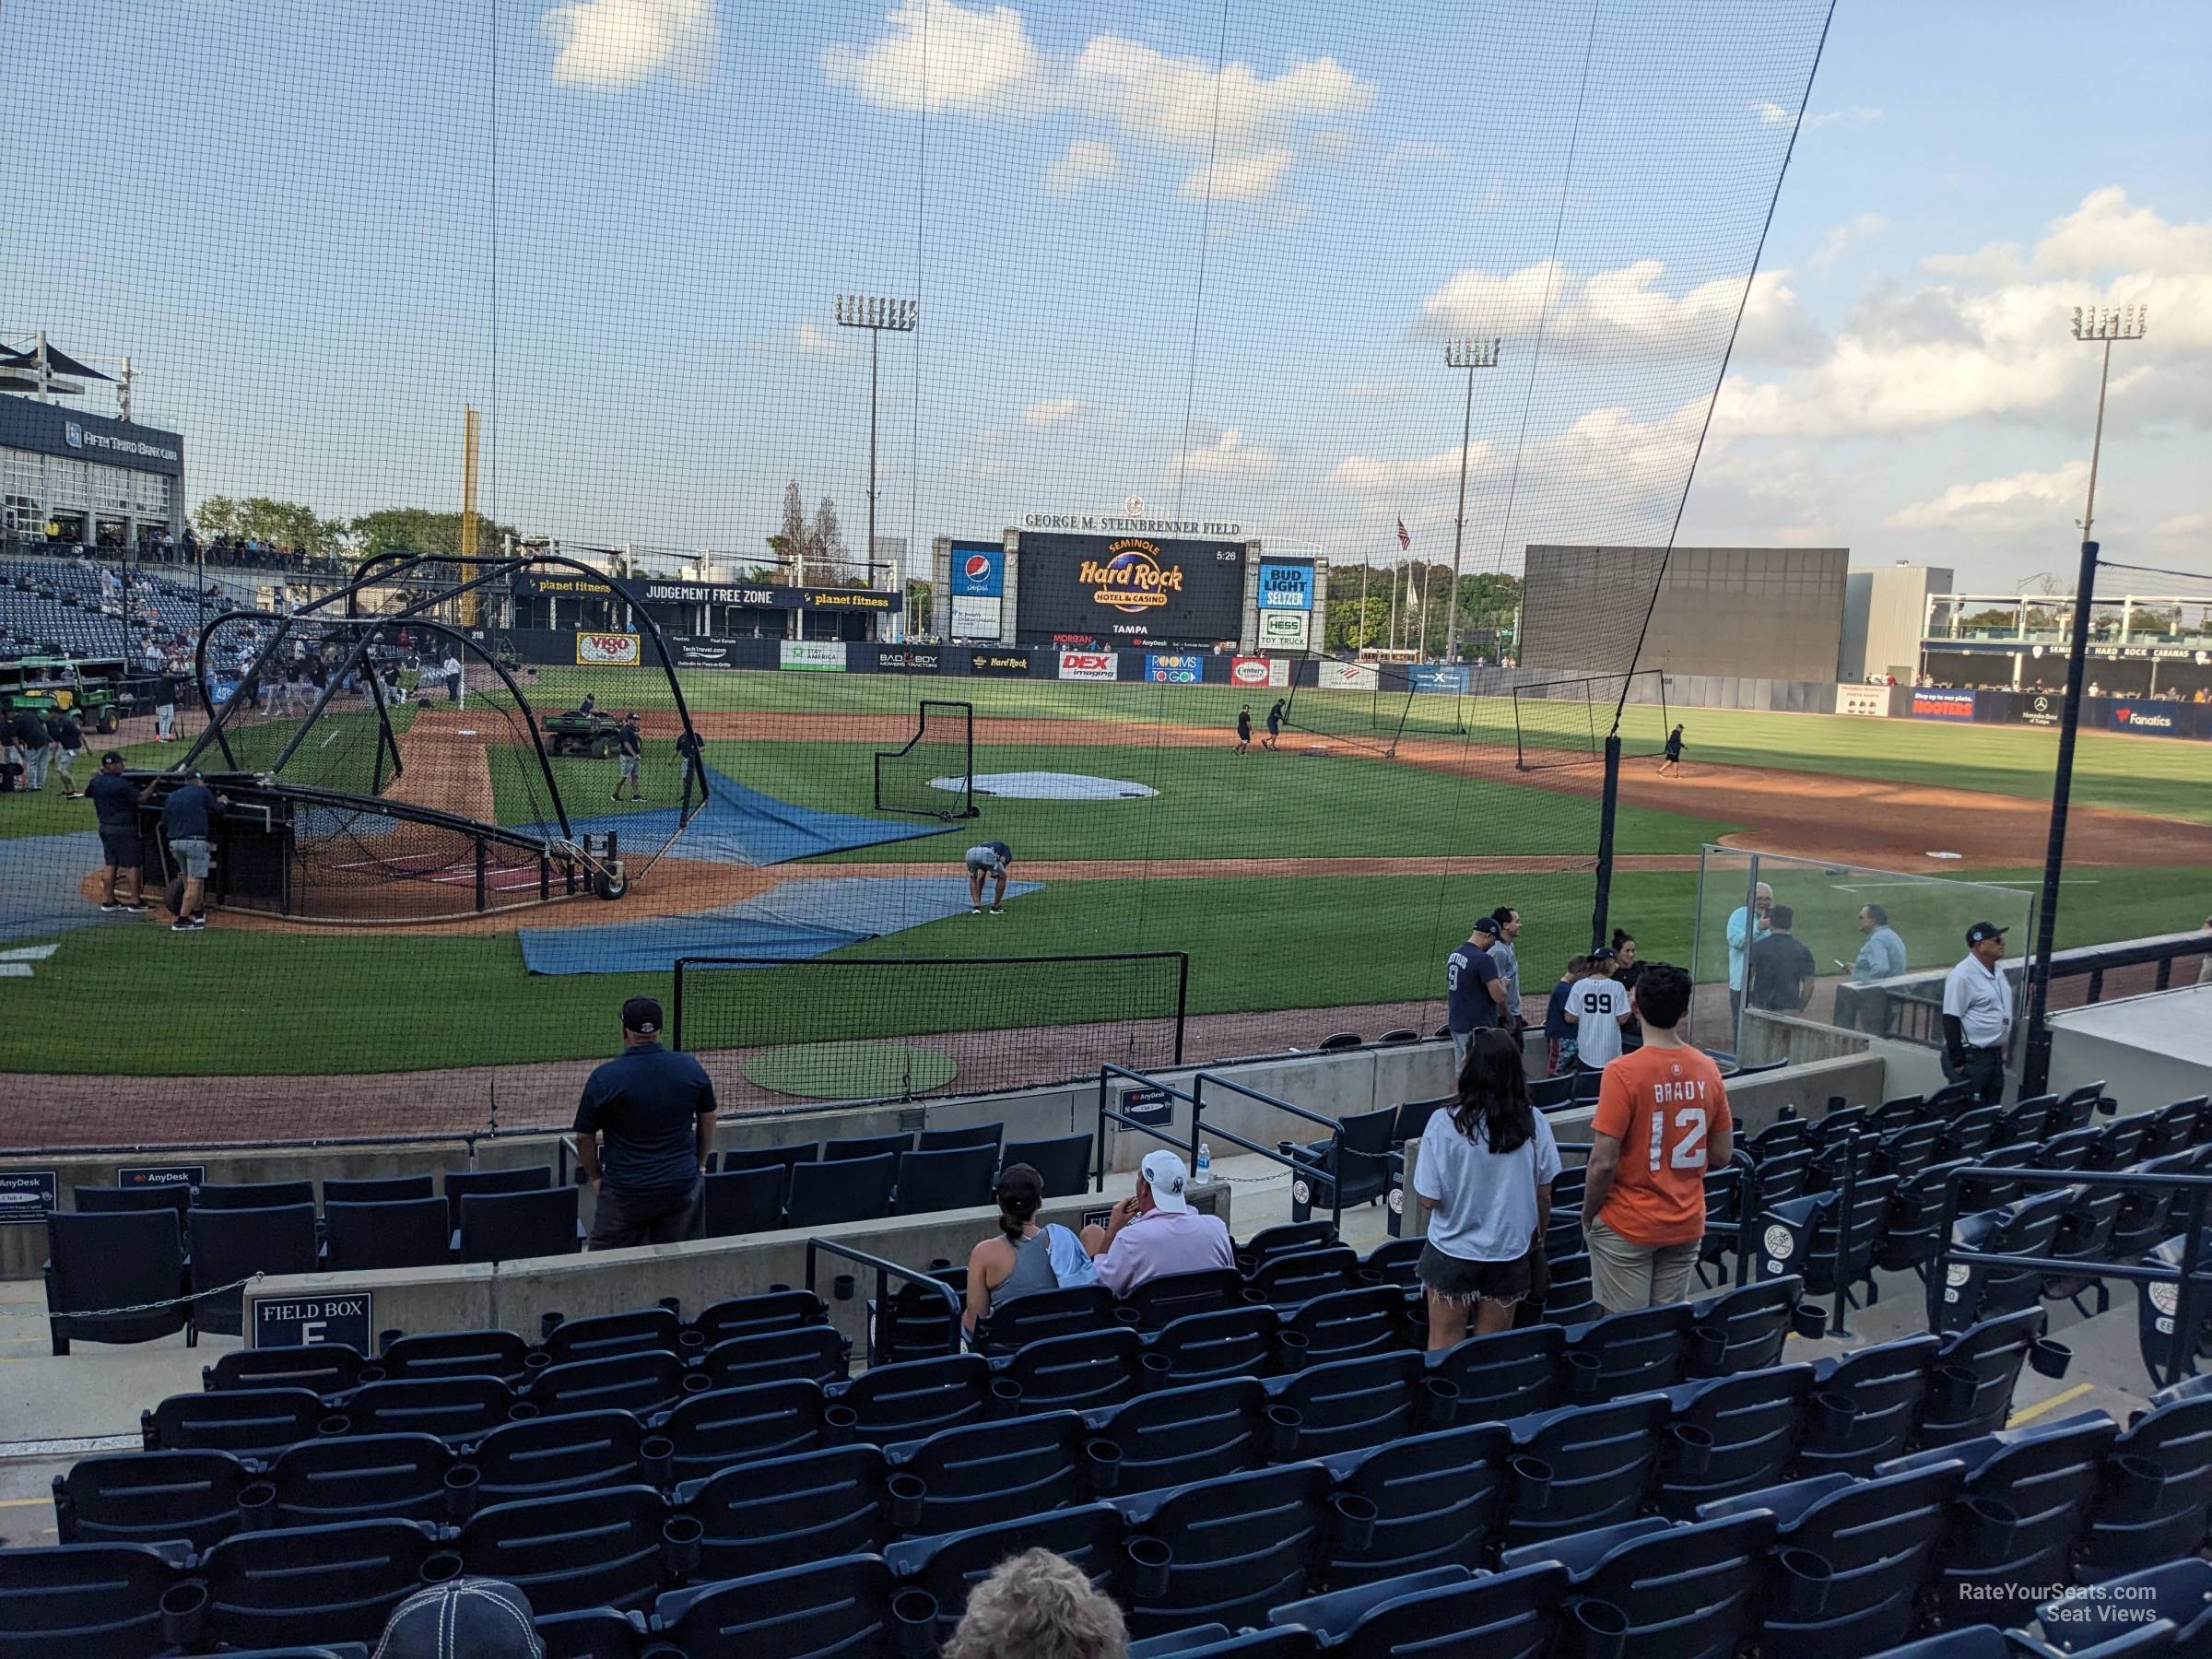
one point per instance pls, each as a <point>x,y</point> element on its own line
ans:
<point>38,876</point>
<point>741,826</point>
<point>791,922</point>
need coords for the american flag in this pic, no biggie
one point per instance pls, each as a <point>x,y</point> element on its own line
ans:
<point>1405,541</point>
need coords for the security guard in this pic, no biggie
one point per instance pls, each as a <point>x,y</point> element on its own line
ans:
<point>1977,1014</point>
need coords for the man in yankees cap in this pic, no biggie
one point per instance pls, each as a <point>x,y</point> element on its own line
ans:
<point>1155,1230</point>
<point>1977,1014</point>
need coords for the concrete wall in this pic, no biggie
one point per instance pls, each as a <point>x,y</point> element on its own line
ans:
<point>2149,1051</point>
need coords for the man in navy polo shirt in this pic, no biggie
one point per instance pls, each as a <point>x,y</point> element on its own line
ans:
<point>116,805</point>
<point>655,1109</point>
<point>1473,990</point>
<point>188,823</point>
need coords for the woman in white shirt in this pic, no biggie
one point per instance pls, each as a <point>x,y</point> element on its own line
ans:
<point>1484,1177</point>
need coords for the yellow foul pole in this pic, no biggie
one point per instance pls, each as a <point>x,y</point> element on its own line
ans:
<point>470,610</point>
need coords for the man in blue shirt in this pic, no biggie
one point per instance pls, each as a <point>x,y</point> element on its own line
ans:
<point>1473,990</point>
<point>116,805</point>
<point>188,825</point>
<point>655,1109</point>
<point>1883,954</point>
<point>1747,926</point>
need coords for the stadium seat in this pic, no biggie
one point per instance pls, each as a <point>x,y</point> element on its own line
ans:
<point>107,1200</point>
<point>1339,1040</point>
<point>1292,1238</point>
<point>917,1321</point>
<point>657,1329</point>
<point>2154,1504</point>
<point>1915,1216</point>
<point>1438,1498</point>
<point>377,1189</point>
<point>1688,1592</point>
<point>1969,1387</point>
<point>1729,1435</point>
<point>916,1397</point>
<point>732,1158</point>
<point>1745,1329</point>
<point>229,1245</point>
<point>811,1353</point>
<point>1357,1158</point>
<point>781,1514</point>
<point>865,1145</point>
<point>1551,1094</point>
<point>458,1409</point>
<point>395,1232</point>
<point>756,1315</point>
<point>246,1422</point>
<point>1351,1404</point>
<point>1286,1279</point>
<point>1596,1464</point>
<point>1399,1034</point>
<point>2121,1614</point>
<point>1044,1314</point>
<point>75,1601</point>
<point>1879,1539</point>
<point>1813,1228</point>
<point>1570,1301</point>
<point>1087,1372</point>
<point>466,1183</point>
<point>485,1353</point>
<point>743,1201</point>
<point>852,1605</point>
<point>365,1478</point>
<point>147,1497</point>
<point>325,1368</point>
<point>711,1431</point>
<point>1515,1615</point>
<point>593,1633</point>
<point>1967,1134</point>
<point>1507,1374</point>
<point>2026,1227</point>
<point>1628,1353</point>
<point>1217,1642</point>
<point>1194,1433</point>
<point>1205,1347</point>
<point>855,1189</point>
<point>316,1583</point>
<point>1343,1326</point>
<point>506,1227</point>
<point>946,1566</point>
<point>601,1549</point>
<point>966,1134</point>
<point>252,1195</point>
<point>985,1472</point>
<point>101,1261</point>
<point>1395,1262</point>
<point>953,1178</point>
<point>644,1383</point>
<point>1063,1163</point>
<point>1171,1296</point>
<point>1234,1546</point>
<point>1884,1385</point>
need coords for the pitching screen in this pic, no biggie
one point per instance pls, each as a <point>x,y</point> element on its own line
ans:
<point>1129,587</point>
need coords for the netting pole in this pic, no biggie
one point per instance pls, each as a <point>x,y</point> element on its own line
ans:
<point>2035,1065</point>
<point>1608,802</point>
<point>1183,997</point>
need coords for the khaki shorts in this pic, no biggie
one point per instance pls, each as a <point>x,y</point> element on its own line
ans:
<point>1626,1276</point>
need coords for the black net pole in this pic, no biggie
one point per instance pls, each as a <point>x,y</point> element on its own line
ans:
<point>1608,802</point>
<point>2036,1067</point>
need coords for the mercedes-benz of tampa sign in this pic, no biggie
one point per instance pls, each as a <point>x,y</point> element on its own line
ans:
<point>1129,586</point>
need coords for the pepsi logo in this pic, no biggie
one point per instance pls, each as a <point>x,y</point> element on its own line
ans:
<point>977,567</point>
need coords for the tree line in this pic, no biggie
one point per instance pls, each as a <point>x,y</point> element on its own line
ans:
<point>296,526</point>
<point>1407,607</point>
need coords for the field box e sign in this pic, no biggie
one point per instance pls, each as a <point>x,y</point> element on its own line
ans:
<point>299,1321</point>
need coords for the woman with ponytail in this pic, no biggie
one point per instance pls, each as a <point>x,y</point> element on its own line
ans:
<point>1484,1177</point>
<point>1626,970</point>
<point>1024,1257</point>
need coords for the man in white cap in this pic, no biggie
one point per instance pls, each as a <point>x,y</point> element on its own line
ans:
<point>1977,1014</point>
<point>1156,1230</point>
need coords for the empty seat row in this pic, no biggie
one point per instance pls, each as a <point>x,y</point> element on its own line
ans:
<point>823,1545</point>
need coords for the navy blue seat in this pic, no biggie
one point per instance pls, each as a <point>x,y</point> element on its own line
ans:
<point>1507,1374</point>
<point>1062,1162</point>
<point>1199,1433</point>
<point>1210,1346</point>
<point>246,1422</point>
<point>77,1600</point>
<point>1290,1237</point>
<point>948,1178</point>
<point>1514,1614</point>
<point>1915,1217</point>
<point>251,1194</point>
<point>375,1189</point>
<point>1744,1329</point>
<point>1628,1353</point>
<point>946,1566</point>
<point>1884,1385</point>
<point>1729,1435</point>
<point>1044,1315</point>
<point>595,1633</point>
<point>488,1352</point>
<point>782,1159</point>
<point>972,1476</point>
<point>466,1183</point>
<point>1217,1642</point>
<point>147,1497</point>
<point>324,1368</point>
<point>852,1189</point>
<point>1582,1466</point>
<point>743,1201</point>
<point>364,1477</point>
<point>781,1513</point>
<point>2115,1616</point>
<point>1345,1324</point>
<point>1438,1499</point>
<point>917,1397</point>
<point>1879,1539</point>
<point>1235,1546</point>
<point>600,1548</point>
<point>171,1197</point>
<point>400,1232</point>
<point>544,1456</point>
<point>508,1226</point>
<point>1685,1592</point>
<point>711,1431</point>
<point>1570,1299</point>
<point>1284,1279</point>
<point>229,1245</point>
<point>850,1605</point>
<point>121,1260</point>
<point>865,1145</point>
<point>1351,1167</point>
<point>2025,1227</point>
<point>1171,1296</point>
<point>452,1408</point>
<point>758,1316</point>
<point>647,1382</point>
<point>657,1329</point>
<point>313,1583</point>
<point>815,1353</point>
<point>2153,1504</point>
<point>1396,1261</point>
<point>918,1320</point>
<point>964,1134</point>
<point>1085,1372</point>
<point>1347,1405</point>
<point>1970,1390</point>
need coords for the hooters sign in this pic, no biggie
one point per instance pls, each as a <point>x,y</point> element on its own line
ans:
<point>1089,665</point>
<point>607,650</point>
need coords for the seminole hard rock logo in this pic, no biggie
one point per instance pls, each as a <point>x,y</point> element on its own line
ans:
<point>1132,579</point>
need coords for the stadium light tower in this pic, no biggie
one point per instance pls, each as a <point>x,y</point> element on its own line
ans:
<point>875,314</point>
<point>2105,325</point>
<point>1469,355</point>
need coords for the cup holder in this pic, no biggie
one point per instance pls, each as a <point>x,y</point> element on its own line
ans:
<point>1834,1418</point>
<point>690,1340</point>
<point>680,1538</point>
<point>1693,1448</point>
<point>1709,1349</point>
<point>1283,1424</point>
<point>1149,1561</point>
<point>1809,1320</point>
<point>1806,1577</point>
<point>656,1460</point>
<point>1354,1522</point>
<point>2048,1359</point>
<point>536,1361</point>
<point>1985,1529</point>
<point>1005,1397</point>
<point>522,1411</point>
<point>369,1373</point>
<point>909,1496</point>
<point>2134,1482</point>
<point>1532,1484</point>
<point>183,1613</point>
<point>842,1288</point>
<point>1583,1373</point>
<point>1155,1371</point>
<point>1596,1629</point>
<point>838,1424</point>
<point>335,1424</point>
<point>913,1625</point>
<point>1293,1348</point>
<point>462,1483</point>
<point>257,1506</point>
<point>696,1382</point>
<point>1102,1465</point>
<point>440,1566</point>
<point>547,1324</point>
<point>1442,1396</point>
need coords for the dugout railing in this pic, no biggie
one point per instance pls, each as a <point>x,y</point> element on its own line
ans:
<point>1201,1131</point>
<point>844,1287</point>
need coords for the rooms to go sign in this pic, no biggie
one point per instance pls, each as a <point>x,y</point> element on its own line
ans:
<point>299,1321</point>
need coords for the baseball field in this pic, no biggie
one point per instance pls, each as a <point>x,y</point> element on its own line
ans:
<point>1314,886</point>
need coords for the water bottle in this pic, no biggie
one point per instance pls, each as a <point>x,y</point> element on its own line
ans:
<point>1205,1163</point>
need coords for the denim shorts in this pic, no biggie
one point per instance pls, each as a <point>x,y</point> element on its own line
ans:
<point>192,855</point>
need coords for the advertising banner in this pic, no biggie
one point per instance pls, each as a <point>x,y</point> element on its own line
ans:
<point>607,651</point>
<point>1438,676</point>
<point>1286,586</point>
<point>703,651</point>
<point>1284,629</point>
<point>2154,718</point>
<point>1249,671</point>
<point>818,656</point>
<point>1175,670</point>
<point>1930,703</point>
<point>1089,665</point>
<point>1131,587</point>
<point>26,1197</point>
<point>2040,708</point>
<point>911,659</point>
<point>1000,665</point>
<point>1349,677</point>
<point>1861,699</point>
<point>977,618</point>
<point>978,571</point>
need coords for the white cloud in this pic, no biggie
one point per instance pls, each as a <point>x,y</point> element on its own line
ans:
<point>608,45</point>
<point>1048,412</point>
<point>2025,501</point>
<point>2105,234</point>
<point>1623,313</point>
<point>1858,228</point>
<point>812,342</point>
<point>1418,152</point>
<point>1993,262</point>
<point>1227,457</point>
<point>1086,160</point>
<point>1854,116</point>
<point>2186,527</point>
<point>1381,392</point>
<point>984,62</point>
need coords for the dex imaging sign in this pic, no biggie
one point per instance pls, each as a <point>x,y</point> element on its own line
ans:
<point>1089,665</point>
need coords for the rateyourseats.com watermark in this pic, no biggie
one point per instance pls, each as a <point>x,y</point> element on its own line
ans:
<point>2064,1606</point>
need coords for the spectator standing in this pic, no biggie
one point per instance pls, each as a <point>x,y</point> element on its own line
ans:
<point>1626,968</point>
<point>1155,1231</point>
<point>1484,1179</point>
<point>116,806</point>
<point>1473,992</point>
<point>1661,1120</point>
<point>1596,1009</point>
<point>1882,956</point>
<point>1781,971</point>
<point>1509,964</point>
<point>655,1109</point>
<point>1037,1605</point>
<point>1559,1036</point>
<point>1747,926</point>
<point>188,825</point>
<point>65,743</point>
<point>1977,1014</point>
<point>1025,1257</point>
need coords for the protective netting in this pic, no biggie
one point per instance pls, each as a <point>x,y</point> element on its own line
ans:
<point>1566,722</point>
<point>933,774</point>
<point>1112,374</point>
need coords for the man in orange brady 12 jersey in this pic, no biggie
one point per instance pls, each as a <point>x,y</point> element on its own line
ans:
<point>1662,1121</point>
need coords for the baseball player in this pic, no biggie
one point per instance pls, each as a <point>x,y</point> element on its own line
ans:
<point>988,859</point>
<point>1244,730</point>
<point>629,750</point>
<point>1275,724</point>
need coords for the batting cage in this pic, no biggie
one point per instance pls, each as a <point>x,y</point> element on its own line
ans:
<point>932,773</point>
<point>1567,722</point>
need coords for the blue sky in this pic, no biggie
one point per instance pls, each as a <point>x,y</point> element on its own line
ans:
<point>619,227</point>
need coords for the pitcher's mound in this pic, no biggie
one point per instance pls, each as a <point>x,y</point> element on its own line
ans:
<point>850,1071</point>
<point>1048,787</point>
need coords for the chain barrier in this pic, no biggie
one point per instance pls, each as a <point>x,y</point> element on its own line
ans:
<point>174,1301</point>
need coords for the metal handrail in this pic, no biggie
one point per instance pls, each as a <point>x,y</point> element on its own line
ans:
<point>1276,1154</point>
<point>1107,1114</point>
<point>885,1271</point>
